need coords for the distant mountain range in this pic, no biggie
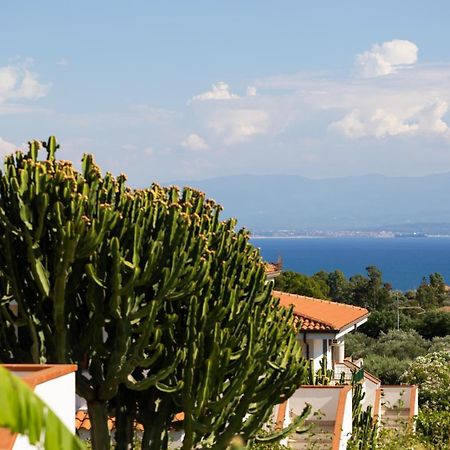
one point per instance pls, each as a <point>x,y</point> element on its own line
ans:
<point>371,202</point>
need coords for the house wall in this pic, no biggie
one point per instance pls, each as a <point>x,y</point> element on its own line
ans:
<point>370,389</point>
<point>399,396</point>
<point>346,425</point>
<point>323,399</point>
<point>316,351</point>
<point>59,395</point>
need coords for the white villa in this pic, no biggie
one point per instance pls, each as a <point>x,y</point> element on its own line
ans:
<point>321,329</point>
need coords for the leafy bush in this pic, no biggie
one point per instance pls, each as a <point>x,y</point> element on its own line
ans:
<point>401,344</point>
<point>388,369</point>
<point>396,439</point>
<point>384,320</point>
<point>434,427</point>
<point>432,374</point>
<point>434,323</point>
<point>440,344</point>
<point>358,345</point>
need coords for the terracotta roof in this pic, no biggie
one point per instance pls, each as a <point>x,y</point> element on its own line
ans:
<point>272,268</point>
<point>316,315</point>
<point>444,308</point>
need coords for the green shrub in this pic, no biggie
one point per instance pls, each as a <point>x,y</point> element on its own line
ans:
<point>400,344</point>
<point>432,374</point>
<point>434,427</point>
<point>388,369</point>
<point>358,345</point>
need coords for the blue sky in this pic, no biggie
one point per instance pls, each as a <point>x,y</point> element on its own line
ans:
<point>191,90</point>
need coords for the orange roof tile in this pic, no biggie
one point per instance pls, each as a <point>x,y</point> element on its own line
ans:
<point>271,268</point>
<point>315,314</point>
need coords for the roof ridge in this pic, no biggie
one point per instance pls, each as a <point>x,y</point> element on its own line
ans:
<point>345,305</point>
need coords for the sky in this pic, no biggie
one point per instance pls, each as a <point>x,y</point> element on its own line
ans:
<point>189,90</point>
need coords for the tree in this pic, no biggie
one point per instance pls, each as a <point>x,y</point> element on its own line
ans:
<point>431,294</point>
<point>297,283</point>
<point>370,292</point>
<point>338,285</point>
<point>163,305</point>
<point>434,323</point>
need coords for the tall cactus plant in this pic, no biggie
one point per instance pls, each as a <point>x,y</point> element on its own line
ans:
<point>162,304</point>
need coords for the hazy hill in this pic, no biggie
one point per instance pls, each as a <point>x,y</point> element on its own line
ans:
<point>295,202</point>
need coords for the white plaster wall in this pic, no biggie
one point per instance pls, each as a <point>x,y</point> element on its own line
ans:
<point>396,396</point>
<point>347,422</point>
<point>370,388</point>
<point>316,352</point>
<point>322,399</point>
<point>59,395</point>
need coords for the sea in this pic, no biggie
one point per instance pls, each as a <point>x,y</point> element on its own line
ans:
<point>403,261</point>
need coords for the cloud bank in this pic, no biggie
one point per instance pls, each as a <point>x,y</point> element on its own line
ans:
<point>386,58</point>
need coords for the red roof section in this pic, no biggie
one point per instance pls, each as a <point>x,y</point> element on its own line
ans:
<point>316,315</point>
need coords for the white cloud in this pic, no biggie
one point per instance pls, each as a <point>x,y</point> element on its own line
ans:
<point>19,83</point>
<point>425,120</point>
<point>6,147</point>
<point>219,91</point>
<point>194,142</point>
<point>430,118</point>
<point>380,124</point>
<point>237,125</point>
<point>386,58</point>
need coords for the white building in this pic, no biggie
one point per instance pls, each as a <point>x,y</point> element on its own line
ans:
<point>321,327</point>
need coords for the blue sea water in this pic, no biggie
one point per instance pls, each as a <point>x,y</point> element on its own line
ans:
<point>403,261</point>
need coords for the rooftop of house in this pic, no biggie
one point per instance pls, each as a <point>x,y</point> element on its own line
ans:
<point>273,269</point>
<point>322,315</point>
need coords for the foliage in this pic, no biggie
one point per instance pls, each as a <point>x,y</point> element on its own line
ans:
<point>384,320</point>
<point>395,439</point>
<point>434,323</point>
<point>431,294</point>
<point>434,427</point>
<point>400,344</point>
<point>388,369</point>
<point>440,344</point>
<point>322,376</point>
<point>300,284</point>
<point>369,292</point>
<point>432,373</point>
<point>23,412</point>
<point>358,345</point>
<point>364,429</point>
<point>163,305</point>
<point>395,343</point>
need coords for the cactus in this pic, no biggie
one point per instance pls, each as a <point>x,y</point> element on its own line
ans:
<point>364,428</point>
<point>323,376</point>
<point>161,303</point>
